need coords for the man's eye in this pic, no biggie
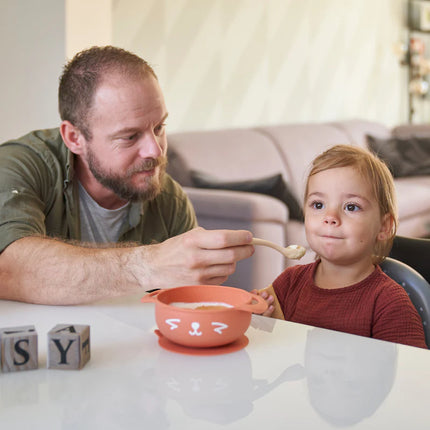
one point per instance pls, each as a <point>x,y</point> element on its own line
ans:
<point>130,138</point>
<point>159,129</point>
<point>352,207</point>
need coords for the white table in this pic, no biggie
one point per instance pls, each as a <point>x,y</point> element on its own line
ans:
<point>289,376</point>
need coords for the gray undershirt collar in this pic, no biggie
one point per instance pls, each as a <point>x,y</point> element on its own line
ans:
<point>98,224</point>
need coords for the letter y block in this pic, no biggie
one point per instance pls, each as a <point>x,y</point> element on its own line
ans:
<point>68,346</point>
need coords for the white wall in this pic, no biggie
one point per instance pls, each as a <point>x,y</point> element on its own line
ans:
<point>88,23</point>
<point>246,62</point>
<point>32,55</point>
<point>221,63</point>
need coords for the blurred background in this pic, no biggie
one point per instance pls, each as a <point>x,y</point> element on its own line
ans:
<point>221,63</point>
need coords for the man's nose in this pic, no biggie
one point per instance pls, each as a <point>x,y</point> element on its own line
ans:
<point>150,147</point>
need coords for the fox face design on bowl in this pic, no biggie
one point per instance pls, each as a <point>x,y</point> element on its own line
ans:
<point>218,327</point>
<point>205,315</point>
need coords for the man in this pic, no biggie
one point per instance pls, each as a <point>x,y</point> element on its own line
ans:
<point>68,195</point>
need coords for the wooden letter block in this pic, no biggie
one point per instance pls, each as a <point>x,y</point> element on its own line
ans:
<point>18,348</point>
<point>68,346</point>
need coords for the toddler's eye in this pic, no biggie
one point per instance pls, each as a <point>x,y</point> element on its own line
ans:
<point>352,207</point>
<point>317,205</point>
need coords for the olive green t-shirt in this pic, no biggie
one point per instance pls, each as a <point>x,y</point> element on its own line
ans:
<point>39,196</point>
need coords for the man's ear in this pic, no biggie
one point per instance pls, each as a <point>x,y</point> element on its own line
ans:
<point>387,225</point>
<point>72,137</point>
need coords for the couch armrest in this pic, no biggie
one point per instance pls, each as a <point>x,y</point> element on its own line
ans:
<point>237,205</point>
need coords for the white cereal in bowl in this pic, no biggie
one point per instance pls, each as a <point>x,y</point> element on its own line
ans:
<point>201,305</point>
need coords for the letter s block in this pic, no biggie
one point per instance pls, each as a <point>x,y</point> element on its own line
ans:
<point>18,348</point>
<point>68,346</point>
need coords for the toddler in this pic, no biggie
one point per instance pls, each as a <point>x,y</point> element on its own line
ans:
<point>350,222</point>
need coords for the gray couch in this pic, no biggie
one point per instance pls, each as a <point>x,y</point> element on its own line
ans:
<point>206,160</point>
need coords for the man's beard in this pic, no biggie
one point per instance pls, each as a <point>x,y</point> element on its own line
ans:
<point>121,184</point>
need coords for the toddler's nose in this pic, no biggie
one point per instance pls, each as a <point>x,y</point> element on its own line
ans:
<point>332,221</point>
<point>331,218</point>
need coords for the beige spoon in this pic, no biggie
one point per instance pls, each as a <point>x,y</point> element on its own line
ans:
<point>294,252</point>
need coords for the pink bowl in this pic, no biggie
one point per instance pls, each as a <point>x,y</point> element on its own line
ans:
<point>204,327</point>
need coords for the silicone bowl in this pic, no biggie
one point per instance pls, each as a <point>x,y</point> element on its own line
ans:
<point>204,328</point>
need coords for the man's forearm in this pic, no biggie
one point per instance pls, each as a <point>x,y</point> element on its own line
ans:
<point>48,271</point>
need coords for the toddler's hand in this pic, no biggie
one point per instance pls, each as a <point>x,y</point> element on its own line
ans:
<point>269,300</point>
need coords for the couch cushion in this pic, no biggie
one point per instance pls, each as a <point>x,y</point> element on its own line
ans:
<point>299,144</point>
<point>413,196</point>
<point>273,186</point>
<point>230,155</point>
<point>404,157</point>
<point>177,168</point>
<point>357,129</point>
<point>411,130</point>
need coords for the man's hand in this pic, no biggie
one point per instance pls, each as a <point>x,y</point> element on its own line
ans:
<point>197,257</point>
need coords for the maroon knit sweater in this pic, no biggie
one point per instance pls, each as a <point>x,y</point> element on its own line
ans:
<point>376,307</point>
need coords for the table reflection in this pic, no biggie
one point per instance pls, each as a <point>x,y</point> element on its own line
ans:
<point>123,400</point>
<point>220,392</point>
<point>347,382</point>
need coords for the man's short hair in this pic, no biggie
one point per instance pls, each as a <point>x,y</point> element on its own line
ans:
<point>84,73</point>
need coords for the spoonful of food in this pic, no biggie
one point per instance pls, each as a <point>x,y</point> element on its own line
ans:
<point>294,252</point>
